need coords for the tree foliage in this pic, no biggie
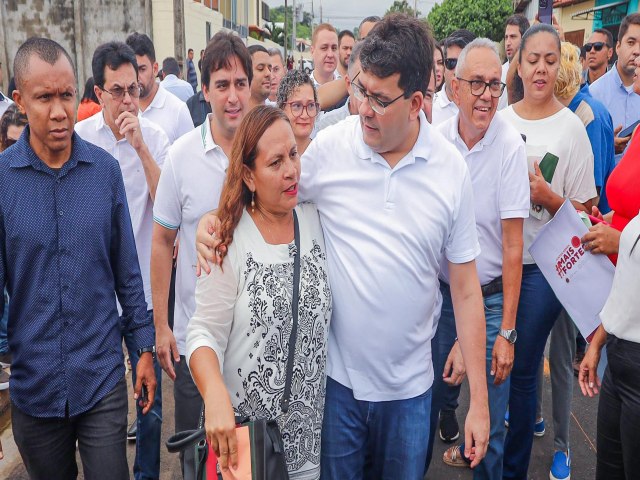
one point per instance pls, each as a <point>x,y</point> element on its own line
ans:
<point>485,18</point>
<point>402,6</point>
<point>303,28</point>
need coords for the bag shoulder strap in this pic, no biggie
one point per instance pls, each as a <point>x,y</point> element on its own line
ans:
<point>294,307</point>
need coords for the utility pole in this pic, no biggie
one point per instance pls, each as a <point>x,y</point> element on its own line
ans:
<point>415,8</point>
<point>285,31</point>
<point>321,11</point>
<point>293,39</point>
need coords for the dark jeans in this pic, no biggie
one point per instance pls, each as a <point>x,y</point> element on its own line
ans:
<point>373,440</point>
<point>538,309</point>
<point>188,405</point>
<point>619,413</point>
<point>149,427</point>
<point>48,445</point>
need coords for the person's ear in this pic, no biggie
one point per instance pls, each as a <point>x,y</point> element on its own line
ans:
<point>19,101</point>
<point>248,178</point>
<point>416,101</point>
<point>98,91</point>
<point>155,69</point>
<point>455,89</point>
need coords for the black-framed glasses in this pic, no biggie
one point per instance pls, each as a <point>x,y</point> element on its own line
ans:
<point>298,107</point>
<point>597,46</point>
<point>478,87</point>
<point>450,63</point>
<point>118,92</point>
<point>375,103</point>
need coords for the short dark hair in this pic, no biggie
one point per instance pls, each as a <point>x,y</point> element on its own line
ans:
<point>190,50</point>
<point>384,52</point>
<point>276,52</point>
<point>459,38</point>
<point>89,91</point>
<point>369,19</point>
<point>142,45</point>
<point>631,19</point>
<point>520,21</point>
<point>345,33</point>
<point>170,66</point>
<point>535,29</point>
<point>112,55</point>
<point>607,34</point>
<point>220,49</point>
<point>257,48</point>
<point>47,50</point>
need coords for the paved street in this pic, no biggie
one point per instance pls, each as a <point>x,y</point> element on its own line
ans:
<point>583,431</point>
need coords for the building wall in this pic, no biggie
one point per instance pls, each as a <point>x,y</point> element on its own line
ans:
<point>564,15</point>
<point>76,24</point>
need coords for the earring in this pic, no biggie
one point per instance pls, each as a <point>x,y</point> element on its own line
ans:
<point>253,203</point>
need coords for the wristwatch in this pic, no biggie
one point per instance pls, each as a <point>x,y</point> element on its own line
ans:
<point>151,349</point>
<point>510,335</point>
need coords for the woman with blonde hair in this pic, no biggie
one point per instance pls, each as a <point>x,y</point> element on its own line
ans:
<point>245,320</point>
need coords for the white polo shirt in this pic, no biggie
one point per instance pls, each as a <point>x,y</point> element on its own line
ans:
<point>336,76</point>
<point>500,179</point>
<point>443,108</point>
<point>190,186</point>
<point>95,130</point>
<point>561,136</point>
<point>169,113</point>
<point>504,98</point>
<point>385,233</point>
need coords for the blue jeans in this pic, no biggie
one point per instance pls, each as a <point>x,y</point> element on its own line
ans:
<point>4,343</point>
<point>149,426</point>
<point>491,466</point>
<point>537,312</point>
<point>373,440</point>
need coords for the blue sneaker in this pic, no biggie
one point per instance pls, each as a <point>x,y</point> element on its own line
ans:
<point>538,428</point>
<point>561,466</point>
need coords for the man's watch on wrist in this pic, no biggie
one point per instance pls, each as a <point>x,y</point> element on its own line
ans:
<point>509,335</point>
<point>151,349</point>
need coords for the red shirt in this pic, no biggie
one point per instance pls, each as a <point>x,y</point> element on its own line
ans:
<point>623,186</point>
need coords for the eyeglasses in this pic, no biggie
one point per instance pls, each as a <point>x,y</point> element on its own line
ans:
<point>118,92</point>
<point>450,63</point>
<point>297,108</point>
<point>595,45</point>
<point>375,103</point>
<point>478,87</point>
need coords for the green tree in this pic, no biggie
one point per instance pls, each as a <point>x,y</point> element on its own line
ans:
<point>402,6</point>
<point>275,33</point>
<point>303,29</point>
<point>485,18</point>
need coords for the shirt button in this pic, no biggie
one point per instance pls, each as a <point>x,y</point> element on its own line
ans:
<point>60,212</point>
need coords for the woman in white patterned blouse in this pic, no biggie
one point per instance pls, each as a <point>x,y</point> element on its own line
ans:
<point>238,338</point>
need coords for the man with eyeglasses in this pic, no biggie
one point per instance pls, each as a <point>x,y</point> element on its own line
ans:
<point>140,147</point>
<point>497,161</point>
<point>443,106</point>
<point>393,197</point>
<point>599,50</point>
<point>68,252</point>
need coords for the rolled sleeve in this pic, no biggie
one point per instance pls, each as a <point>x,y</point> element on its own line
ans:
<point>167,210</point>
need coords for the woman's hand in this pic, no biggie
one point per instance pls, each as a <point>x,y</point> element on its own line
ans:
<point>602,239</point>
<point>220,426</point>
<point>588,375</point>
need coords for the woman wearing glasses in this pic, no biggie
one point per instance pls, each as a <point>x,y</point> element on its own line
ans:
<point>298,98</point>
<point>560,167</point>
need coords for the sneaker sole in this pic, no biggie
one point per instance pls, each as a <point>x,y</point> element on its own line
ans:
<point>541,434</point>
<point>131,439</point>
<point>450,440</point>
<point>4,386</point>
<point>552,477</point>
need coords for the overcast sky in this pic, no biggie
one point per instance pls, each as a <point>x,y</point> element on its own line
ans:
<point>348,13</point>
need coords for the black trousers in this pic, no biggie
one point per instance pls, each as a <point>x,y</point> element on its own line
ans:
<point>48,445</point>
<point>619,413</point>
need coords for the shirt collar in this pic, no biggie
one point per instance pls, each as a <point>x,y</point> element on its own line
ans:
<point>489,136</point>
<point>443,99</point>
<point>159,98</point>
<point>421,149</point>
<point>24,156</point>
<point>205,134</point>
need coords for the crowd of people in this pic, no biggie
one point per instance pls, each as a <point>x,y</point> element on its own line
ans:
<point>337,251</point>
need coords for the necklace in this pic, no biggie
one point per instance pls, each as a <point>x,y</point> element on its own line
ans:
<point>267,222</point>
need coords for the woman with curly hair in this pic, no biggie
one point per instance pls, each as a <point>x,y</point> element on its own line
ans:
<point>298,98</point>
<point>238,339</point>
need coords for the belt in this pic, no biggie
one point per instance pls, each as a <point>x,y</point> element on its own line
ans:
<point>494,286</point>
<point>491,288</point>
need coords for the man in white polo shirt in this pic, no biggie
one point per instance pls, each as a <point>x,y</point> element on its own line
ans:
<point>140,147</point>
<point>393,197</point>
<point>189,186</point>
<point>156,104</point>
<point>497,161</point>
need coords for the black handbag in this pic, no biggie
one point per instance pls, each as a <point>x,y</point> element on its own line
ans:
<point>267,449</point>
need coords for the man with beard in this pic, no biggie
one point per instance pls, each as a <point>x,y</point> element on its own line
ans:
<point>157,104</point>
<point>346,41</point>
<point>261,82</point>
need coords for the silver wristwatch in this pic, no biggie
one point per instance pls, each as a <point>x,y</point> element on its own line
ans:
<point>510,335</point>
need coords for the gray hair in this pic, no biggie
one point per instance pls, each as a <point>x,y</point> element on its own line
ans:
<point>275,51</point>
<point>293,80</point>
<point>477,43</point>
